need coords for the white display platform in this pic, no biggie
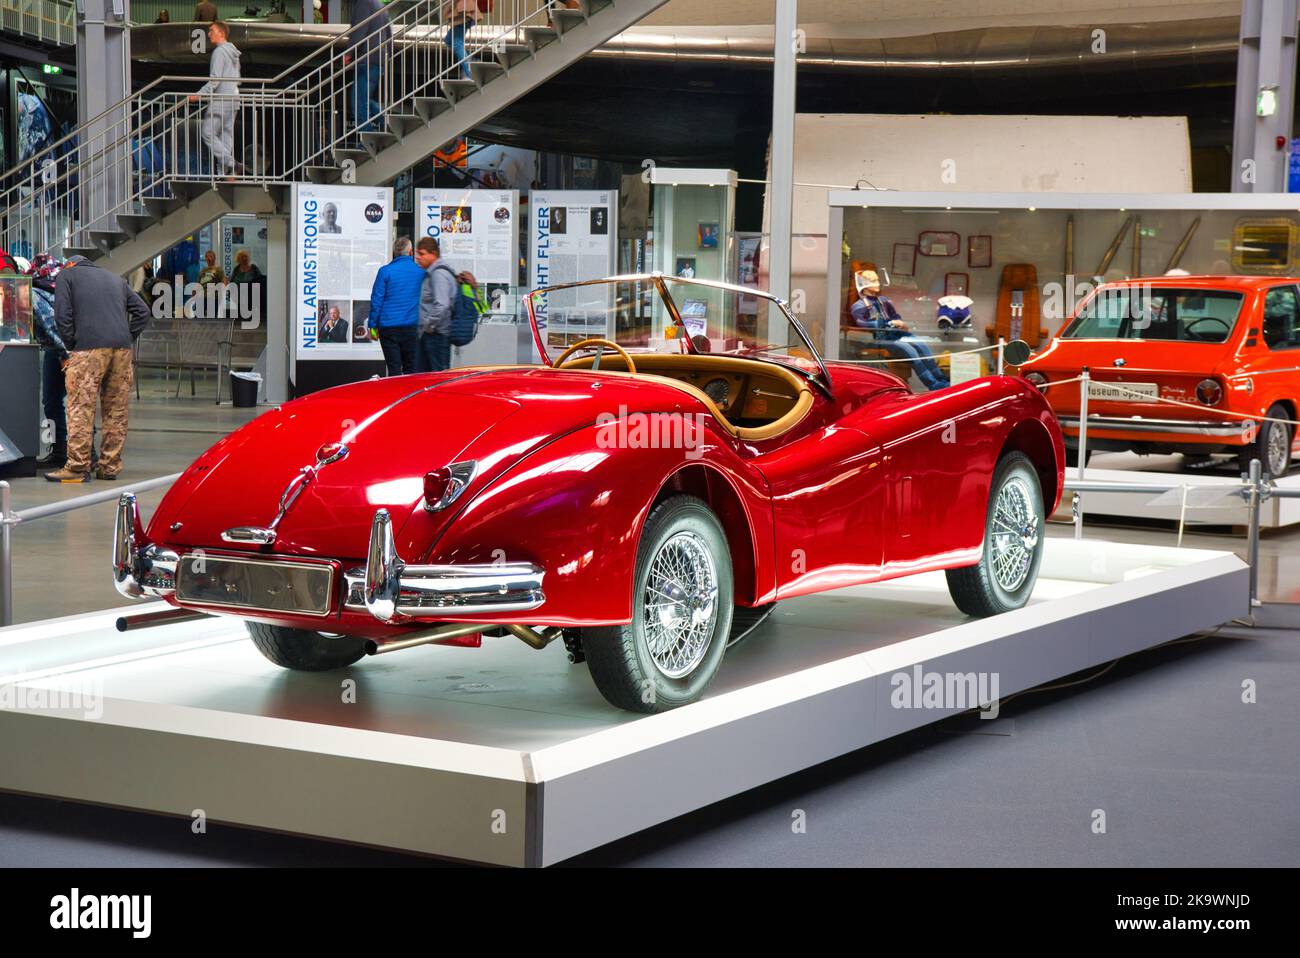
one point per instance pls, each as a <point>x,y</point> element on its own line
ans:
<point>509,756</point>
<point>1205,505</point>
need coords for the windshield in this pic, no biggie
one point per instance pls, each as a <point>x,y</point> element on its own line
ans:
<point>664,314</point>
<point>1165,313</point>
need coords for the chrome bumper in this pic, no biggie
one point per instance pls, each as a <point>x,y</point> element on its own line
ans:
<point>140,569</point>
<point>1182,427</point>
<point>394,592</point>
<point>388,588</point>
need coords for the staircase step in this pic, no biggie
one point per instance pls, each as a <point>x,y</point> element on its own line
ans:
<point>358,156</point>
<point>485,71</point>
<point>508,54</point>
<point>159,207</point>
<point>431,106</point>
<point>322,174</point>
<point>90,252</point>
<point>133,223</point>
<point>108,238</point>
<point>186,190</point>
<point>376,143</point>
<point>458,89</point>
<point>539,37</point>
<point>402,123</point>
<point>566,19</point>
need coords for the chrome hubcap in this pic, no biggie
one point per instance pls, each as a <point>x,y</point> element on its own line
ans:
<point>680,604</point>
<point>1015,533</point>
<point>1278,440</point>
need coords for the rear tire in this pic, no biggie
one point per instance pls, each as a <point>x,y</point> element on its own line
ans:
<point>303,650</point>
<point>1272,445</point>
<point>682,602</point>
<point>1014,528</point>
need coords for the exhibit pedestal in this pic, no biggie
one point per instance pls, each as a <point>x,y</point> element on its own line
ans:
<point>1207,500</point>
<point>508,756</point>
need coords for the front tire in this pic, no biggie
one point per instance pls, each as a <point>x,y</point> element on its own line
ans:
<point>1272,445</point>
<point>303,650</point>
<point>1014,530</point>
<point>682,600</point>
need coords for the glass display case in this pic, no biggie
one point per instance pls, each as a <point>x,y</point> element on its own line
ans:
<point>1021,263</point>
<point>693,215</point>
<point>16,309</point>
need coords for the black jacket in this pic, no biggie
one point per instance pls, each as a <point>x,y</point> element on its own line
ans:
<point>96,309</point>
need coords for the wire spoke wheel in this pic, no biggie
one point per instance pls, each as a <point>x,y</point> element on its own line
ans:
<point>680,604</point>
<point>1015,533</point>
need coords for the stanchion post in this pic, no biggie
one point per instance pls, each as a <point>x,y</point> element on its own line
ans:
<point>1083,449</point>
<point>6,557</point>
<point>1002,342</point>
<point>1083,419</point>
<point>1254,490</point>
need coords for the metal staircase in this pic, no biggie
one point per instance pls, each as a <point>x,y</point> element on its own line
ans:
<point>137,179</point>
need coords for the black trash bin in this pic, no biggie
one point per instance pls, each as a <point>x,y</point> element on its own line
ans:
<point>243,389</point>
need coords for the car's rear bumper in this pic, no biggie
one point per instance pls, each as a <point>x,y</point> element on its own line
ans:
<point>1143,429</point>
<point>390,590</point>
<point>395,592</point>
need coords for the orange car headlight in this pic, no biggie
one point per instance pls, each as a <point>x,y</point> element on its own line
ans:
<point>1037,380</point>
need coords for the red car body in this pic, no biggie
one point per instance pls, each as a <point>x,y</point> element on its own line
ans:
<point>1247,372</point>
<point>870,482</point>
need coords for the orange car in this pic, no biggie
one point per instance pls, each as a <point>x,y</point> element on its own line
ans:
<point>1216,344</point>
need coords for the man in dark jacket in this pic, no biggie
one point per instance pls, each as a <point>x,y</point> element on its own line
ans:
<point>367,41</point>
<point>98,317</point>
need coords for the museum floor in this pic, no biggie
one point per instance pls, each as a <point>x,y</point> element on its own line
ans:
<point>1021,790</point>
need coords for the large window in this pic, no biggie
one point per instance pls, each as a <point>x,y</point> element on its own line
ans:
<point>1145,312</point>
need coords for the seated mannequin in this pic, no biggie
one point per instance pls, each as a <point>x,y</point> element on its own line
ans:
<point>875,312</point>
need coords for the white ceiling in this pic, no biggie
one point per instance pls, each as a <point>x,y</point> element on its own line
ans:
<point>911,17</point>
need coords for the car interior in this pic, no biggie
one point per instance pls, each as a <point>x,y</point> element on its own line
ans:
<point>751,399</point>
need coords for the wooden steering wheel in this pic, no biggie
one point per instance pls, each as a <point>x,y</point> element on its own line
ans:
<point>601,343</point>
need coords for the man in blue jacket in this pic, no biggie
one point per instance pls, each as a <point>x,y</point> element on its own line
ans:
<point>395,309</point>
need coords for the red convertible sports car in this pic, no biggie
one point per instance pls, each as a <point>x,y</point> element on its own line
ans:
<point>682,460</point>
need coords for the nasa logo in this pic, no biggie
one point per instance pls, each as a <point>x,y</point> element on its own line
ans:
<point>374,212</point>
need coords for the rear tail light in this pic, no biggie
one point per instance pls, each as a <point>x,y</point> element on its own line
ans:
<point>443,486</point>
<point>1209,392</point>
<point>1037,380</point>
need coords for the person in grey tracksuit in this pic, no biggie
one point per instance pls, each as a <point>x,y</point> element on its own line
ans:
<point>223,107</point>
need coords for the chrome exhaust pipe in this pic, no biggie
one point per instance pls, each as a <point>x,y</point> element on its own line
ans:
<point>446,633</point>
<point>437,636</point>
<point>537,639</point>
<point>147,620</point>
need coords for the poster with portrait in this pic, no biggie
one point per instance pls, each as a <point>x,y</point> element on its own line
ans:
<point>340,236</point>
<point>478,231</point>
<point>573,236</point>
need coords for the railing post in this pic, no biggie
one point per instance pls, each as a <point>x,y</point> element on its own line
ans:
<point>1082,452</point>
<point>1084,379</point>
<point>1002,342</point>
<point>1254,496</point>
<point>6,557</point>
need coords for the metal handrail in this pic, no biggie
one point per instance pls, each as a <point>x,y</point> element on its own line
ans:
<point>9,519</point>
<point>37,158</point>
<point>142,148</point>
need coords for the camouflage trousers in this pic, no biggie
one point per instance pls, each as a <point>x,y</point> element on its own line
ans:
<point>102,376</point>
